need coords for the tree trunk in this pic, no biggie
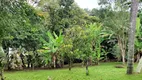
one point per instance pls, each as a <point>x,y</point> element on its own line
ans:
<point>62,63</point>
<point>33,66</point>
<point>33,60</point>
<point>134,10</point>
<point>70,64</point>
<point>139,67</point>
<point>90,60</point>
<point>122,49</point>
<point>87,64</point>
<point>1,61</point>
<point>123,55</point>
<point>8,62</point>
<point>2,77</point>
<point>54,61</point>
<point>138,57</point>
<point>123,58</point>
<point>28,65</point>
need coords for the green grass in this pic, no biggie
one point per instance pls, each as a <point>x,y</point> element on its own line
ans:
<point>105,71</point>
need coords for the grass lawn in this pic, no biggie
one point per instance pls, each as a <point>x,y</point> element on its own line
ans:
<point>105,71</point>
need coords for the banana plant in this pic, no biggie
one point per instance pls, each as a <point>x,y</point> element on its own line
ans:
<point>52,46</point>
<point>97,37</point>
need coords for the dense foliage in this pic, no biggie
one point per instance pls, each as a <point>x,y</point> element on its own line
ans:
<point>58,32</point>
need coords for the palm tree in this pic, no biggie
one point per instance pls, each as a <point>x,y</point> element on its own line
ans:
<point>134,10</point>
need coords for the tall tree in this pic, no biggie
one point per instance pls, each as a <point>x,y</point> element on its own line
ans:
<point>116,20</point>
<point>134,10</point>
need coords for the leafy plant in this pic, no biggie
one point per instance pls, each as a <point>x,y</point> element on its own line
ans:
<point>51,47</point>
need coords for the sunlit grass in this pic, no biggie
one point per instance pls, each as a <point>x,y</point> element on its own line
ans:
<point>104,71</point>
